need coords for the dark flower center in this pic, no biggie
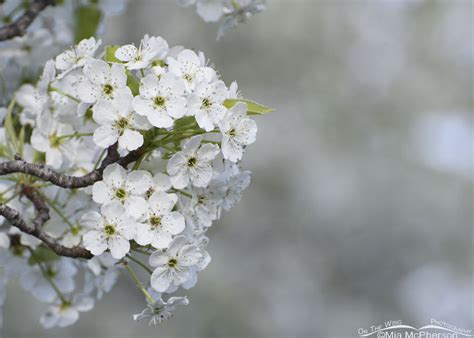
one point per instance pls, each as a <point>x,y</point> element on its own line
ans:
<point>172,262</point>
<point>192,162</point>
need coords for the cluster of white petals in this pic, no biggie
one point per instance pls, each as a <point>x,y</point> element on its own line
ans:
<point>190,131</point>
<point>51,32</point>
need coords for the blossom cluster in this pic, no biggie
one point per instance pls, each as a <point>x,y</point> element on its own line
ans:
<point>229,12</point>
<point>51,32</point>
<point>188,130</point>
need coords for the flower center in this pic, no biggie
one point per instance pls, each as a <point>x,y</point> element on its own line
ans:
<point>120,193</point>
<point>75,230</point>
<point>188,77</point>
<point>107,89</point>
<point>149,192</point>
<point>206,103</point>
<point>65,305</point>
<point>122,123</point>
<point>155,221</point>
<point>55,141</point>
<point>109,230</point>
<point>201,199</point>
<point>232,132</point>
<point>172,262</point>
<point>192,162</point>
<point>159,101</point>
<point>50,272</point>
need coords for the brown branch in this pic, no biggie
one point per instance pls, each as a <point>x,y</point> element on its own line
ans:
<point>67,181</point>
<point>61,180</point>
<point>19,27</point>
<point>42,216</point>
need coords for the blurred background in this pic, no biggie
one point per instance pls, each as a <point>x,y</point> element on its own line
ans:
<point>360,209</point>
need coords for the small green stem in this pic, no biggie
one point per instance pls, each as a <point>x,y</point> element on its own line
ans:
<point>73,135</point>
<point>50,281</point>
<point>141,251</point>
<point>54,89</point>
<point>183,193</point>
<point>138,283</point>
<point>140,263</point>
<point>59,212</point>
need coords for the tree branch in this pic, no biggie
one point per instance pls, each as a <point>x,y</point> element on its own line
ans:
<point>42,216</point>
<point>67,181</point>
<point>19,27</point>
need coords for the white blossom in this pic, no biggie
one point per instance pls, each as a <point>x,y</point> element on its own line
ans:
<point>174,266</point>
<point>62,314</point>
<point>77,55</point>
<point>125,188</point>
<point>102,81</point>
<point>190,67</point>
<point>111,229</point>
<point>161,100</point>
<point>137,58</point>
<point>207,104</point>
<point>161,223</point>
<point>237,131</point>
<point>160,310</point>
<point>37,279</point>
<point>192,164</point>
<point>118,122</point>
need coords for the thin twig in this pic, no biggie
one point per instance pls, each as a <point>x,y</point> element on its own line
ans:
<point>19,27</point>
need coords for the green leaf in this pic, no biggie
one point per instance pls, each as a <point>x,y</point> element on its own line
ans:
<point>254,108</point>
<point>42,254</point>
<point>110,53</point>
<point>133,84</point>
<point>87,20</point>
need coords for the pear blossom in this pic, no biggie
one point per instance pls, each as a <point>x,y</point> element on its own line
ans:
<point>160,182</point>
<point>207,104</point>
<point>161,100</point>
<point>190,67</point>
<point>111,229</point>
<point>62,314</point>
<point>192,164</point>
<point>208,10</point>
<point>175,265</point>
<point>127,189</point>
<point>118,122</point>
<point>78,55</point>
<point>160,310</point>
<point>233,189</point>
<point>239,12</point>
<point>137,58</point>
<point>237,131</point>
<point>54,140</point>
<point>179,145</point>
<point>161,223</point>
<point>61,272</point>
<point>102,81</point>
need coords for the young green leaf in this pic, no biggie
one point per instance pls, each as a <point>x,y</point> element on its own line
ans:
<point>254,108</point>
<point>110,53</point>
<point>133,84</point>
<point>87,20</point>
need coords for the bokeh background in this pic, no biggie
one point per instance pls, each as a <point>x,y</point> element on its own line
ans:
<point>361,205</point>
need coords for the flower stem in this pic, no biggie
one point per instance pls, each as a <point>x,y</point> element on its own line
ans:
<point>73,135</point>
<point>140,263</point>
<point>59,212</point>
<point>54,89</point>
<point>138,283</point>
